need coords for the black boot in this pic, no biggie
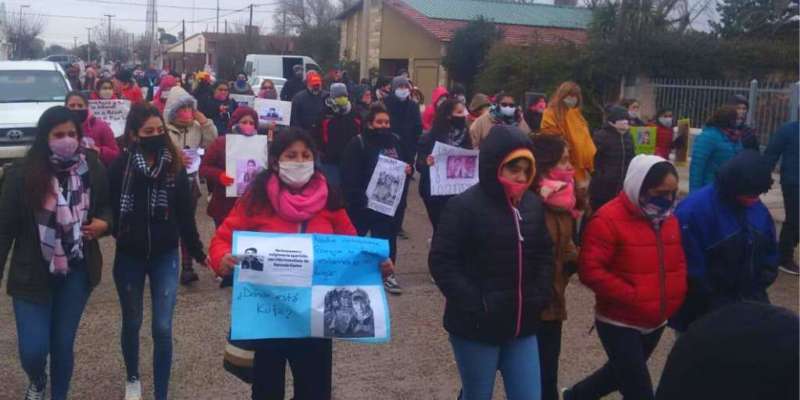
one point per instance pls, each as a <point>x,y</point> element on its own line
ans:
<point>188,275</point>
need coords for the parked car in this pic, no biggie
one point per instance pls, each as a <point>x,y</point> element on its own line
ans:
<point>64,60</point>
<point>27,89</point>
<point>255,82</point>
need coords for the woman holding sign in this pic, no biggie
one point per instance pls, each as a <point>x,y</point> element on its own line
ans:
<point>53,209</point>
<point>359,162</point>
<point>449,127</point>
<point>291,196</point>
<point>150,191</point>
<point>492,258</point>
<point>97,135</point>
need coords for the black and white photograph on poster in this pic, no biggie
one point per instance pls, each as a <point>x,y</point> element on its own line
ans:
<point>252,261</point>
<point>273,111</point>
<point>276,260</point>
<point>245,157</point>
<point>243,99</point>
<point>454,169</point>
<point>347,312</point>
<point>246,171</point>
<point>385,188</point>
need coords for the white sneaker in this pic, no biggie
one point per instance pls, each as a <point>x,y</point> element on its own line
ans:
<point>391,285</point>
<point>35,392</point>
<point>133,389</point>
<point>561,393</point>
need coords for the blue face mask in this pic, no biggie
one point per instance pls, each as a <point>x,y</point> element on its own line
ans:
<point>662,202</point>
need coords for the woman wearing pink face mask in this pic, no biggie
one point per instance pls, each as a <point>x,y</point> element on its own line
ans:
<point>219,107</point>
<point>492,258</point>
<point>555,184</point>
<point>191,132</point>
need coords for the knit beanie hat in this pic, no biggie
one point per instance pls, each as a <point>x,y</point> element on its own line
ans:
<point>616,113</point>
<point>240,113</point>
<point>479,101</point>
<point>399,80</point>
<point>745,350</point>
<point>338,90</point>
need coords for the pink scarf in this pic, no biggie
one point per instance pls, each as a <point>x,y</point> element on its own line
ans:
<point>561,183</point>
<point>298,207</point>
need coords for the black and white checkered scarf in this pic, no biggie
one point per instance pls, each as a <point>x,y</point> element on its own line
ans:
<point>158,174</point>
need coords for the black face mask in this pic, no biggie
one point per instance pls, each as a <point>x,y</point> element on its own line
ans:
<point>81,115</point>
<point>153,144</point>
<point>458,122</point>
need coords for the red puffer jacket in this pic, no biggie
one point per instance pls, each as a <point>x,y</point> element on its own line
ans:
<point>638,274</point>
<point>326,222</point>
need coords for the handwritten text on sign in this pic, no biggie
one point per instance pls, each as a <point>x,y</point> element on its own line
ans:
<point>112,112</point>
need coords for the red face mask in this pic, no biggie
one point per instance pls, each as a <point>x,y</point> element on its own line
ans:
<point>247,129</point>
<point>221,96</point>
<point>514,190</point>
<point>747,200</point>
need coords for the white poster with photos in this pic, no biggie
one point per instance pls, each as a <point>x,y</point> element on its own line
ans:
<point>243,99</point>
<point>385,188</point>
<point>454,170</point>
<point>273,111</point>
<point>245,157</point>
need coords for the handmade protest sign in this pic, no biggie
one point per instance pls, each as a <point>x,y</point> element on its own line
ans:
<point>273,111</point>
<point>245,157</point>
<point>454,169</point>
<point>112,112</point>
<point>243,99</point>
<point>196,155</point>
<point>301,285</point>
<point>644,139</point>
<point>385,188</point>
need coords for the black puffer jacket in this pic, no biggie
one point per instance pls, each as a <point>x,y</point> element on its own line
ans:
<point>334,133</point>
<point>308,109</point>
<point>492,294</point>
<point>614,153</point>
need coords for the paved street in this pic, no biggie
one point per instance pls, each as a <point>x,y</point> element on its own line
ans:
<point>416,364</point>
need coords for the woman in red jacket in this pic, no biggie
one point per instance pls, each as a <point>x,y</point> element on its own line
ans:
<point>290,196</point>
<point>633,260</point>
<point>97,135</point>
<point>664,133</point>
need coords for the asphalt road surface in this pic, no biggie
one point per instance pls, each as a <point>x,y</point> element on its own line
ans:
<point>416,364</point>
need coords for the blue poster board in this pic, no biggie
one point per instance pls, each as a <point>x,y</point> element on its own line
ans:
<point>308,285</point>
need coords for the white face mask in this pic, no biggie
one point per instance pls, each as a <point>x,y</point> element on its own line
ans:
<point>622,125</point>
<point>633,114</point>
<point>295,174</point>
<point>665,121</point>
<point>571,101</point>
<point>508,111</point>
<point>401,93</point>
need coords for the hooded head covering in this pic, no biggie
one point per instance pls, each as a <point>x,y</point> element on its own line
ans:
<point>637,171</point>
<point>400,80</point>
<point>177,99</point>
<point>358,93</point>
<point>338,89</point>
<point>167,82</point>
<point>748,173</point>
<point>745,350</point>
<point>495,151</point>
<point>240,113</point>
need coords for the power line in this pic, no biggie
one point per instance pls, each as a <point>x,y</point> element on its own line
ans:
<point>135,4</point>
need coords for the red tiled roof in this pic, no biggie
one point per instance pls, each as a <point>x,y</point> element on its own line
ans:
<point>443,29</point>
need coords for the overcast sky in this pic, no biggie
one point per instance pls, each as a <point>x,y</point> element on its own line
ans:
<point>65,19</point>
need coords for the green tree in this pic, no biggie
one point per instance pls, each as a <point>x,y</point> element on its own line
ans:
<point>756,18</point>
<point>55,49</point>
<point>467,51</point>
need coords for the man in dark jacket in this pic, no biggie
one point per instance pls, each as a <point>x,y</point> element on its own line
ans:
<point>729,239</point>
<point>338,127</point>
<point>404,114</point>
<point>615,151</point>
<point>294,85</point>
<point>309,104</point>
<point>748,134</point>
<point>785,145</point>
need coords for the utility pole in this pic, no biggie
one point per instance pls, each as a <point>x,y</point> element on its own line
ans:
<point>283,32</point>
<point>17,47</point>
<point>217,16</point>
<point>88,45</point>
<point>226,26</point>
<point>74,43</point>
<point>183,46</point>
<point>250,29</point>
<point>108,39</point>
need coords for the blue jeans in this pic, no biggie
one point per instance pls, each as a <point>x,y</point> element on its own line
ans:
<point>129,275</point>
<point>517,360</point>
<point>49,329</point>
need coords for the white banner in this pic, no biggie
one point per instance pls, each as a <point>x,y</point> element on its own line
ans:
<point>273,111</point>
<point>245,157</point>
<point>385,189</point>
<point>454,169</point>
<point>113,112</point>
<point>243,99</point>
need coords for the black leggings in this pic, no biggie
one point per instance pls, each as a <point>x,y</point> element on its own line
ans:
<point>311,362</point>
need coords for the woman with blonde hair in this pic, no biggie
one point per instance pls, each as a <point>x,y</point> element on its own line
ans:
<point>563,117</point>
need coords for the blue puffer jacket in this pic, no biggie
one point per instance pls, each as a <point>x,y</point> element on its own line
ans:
<point>711,149</point>
<point>731,253</point>
<point>785,144</point>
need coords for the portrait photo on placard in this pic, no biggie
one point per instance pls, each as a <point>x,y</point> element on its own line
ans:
<point>461,167</point>
<point>252,261</point>
<point>246,171</point>
<point>347,312</point>
<point>387,189</point>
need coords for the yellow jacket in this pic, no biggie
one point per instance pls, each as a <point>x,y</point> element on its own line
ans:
<point>574,129</point>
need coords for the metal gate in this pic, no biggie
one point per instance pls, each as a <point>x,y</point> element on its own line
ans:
<point>771,103</point>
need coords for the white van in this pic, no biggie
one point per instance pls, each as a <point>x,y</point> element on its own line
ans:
<point>268,66</point>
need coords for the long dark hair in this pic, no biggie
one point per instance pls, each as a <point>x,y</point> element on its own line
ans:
<point>38,173</point>
<point>256,200</point>
<point>441,123</point>
<point>547,150</point>
<point>139,114</point>
<point>723,117</point>
<point>76,93</point>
